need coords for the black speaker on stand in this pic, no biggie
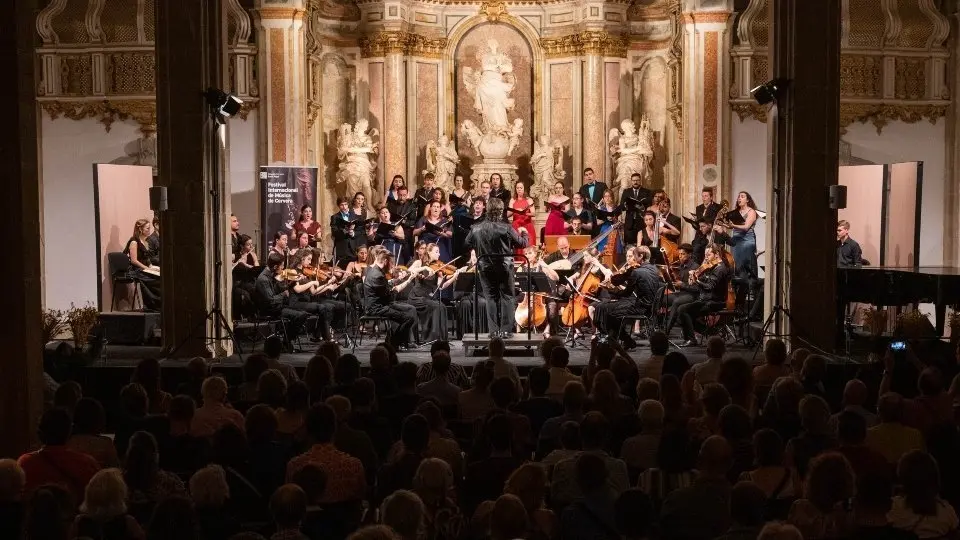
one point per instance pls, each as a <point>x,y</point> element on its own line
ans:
<point>838,197</point>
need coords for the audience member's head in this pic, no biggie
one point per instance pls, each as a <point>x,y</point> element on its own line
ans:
<point>930,382</point>
<point>529,484</point>
<point>797,358</point>
<point>508,519</point>
<point>142,462</point>
<point>671,393</point>
<point>346,370</point>
<point>329,350</point>
<point>787,393</point>
<point>715,458</point>
<point>379,360</point>
<point>312,480</point>
<point>49,512</point>
<point>483,375</point>
<point>197,369</point>
<point>318,376</point>
<point>747,504</point>
<point>272,388</point>
<point>372,532</point>
<point>55,427</point>
<point>496,347</point>
<point>440,361</point>
<point>298,397</point>
<point>546,349</point>
<point>214,390</point>
<point>253,366</point>
<point>260,424</point>
<point>288,506</point>
<point>736,375</point>
<point>814,369</point>
<point>321,423</point>
<point>499,432</point>
<point>433,482</point>
<point>779,531</point>
<point>230,447</point>
<point>89,417</point>
<point>67,395</point>
<point>181,411</point>
<point>405,375</point>
<point>659,344</point>
<point>651,415</point>
<point>431,411</point>
<point>648,388</point>
<point>12,480</point>
<point>273,347</point>
<point>634,514</point>
<point>829,481</point>
<point>591,473</point>
<point>574,396</point>
<point>208,487</point>
<point>815,415</point>
<point>147,374</point>
<point>341,408</point>
<point>503,392</point>
<point>559,357</point>
<point>768,448</point>
<point>775,352</point>
<point>440,345</point>
<point>851,428</point>
<point>675,363</point>
<point>716,347</point>
<point>735,423</point>
<point>714,398</point>
<point>890,408</point>
<point>415,434</point>
<point>538,381</point>
<point>594,431</point>
<point>134,402</point>
<point>403,512</point>
<point>919,479</point>
<point>855,393</point>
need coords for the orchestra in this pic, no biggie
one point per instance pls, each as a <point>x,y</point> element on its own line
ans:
<point>633,253</point>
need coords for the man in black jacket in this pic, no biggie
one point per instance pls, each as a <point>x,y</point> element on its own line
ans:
<point>592,189</point>
<point>378,299</point>
<point>497,191</point>
<point>424,194</point>
<point>708,208</point>
<point>272,297</point>
<point>708,293</point>
<point>494,242</point>
<point>640,287</point>
<point>635,200</point>
<point>344,233</point>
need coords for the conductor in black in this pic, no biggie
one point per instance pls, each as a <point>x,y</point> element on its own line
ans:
<point>494,241</point>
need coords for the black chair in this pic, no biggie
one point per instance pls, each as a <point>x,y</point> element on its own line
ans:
<point>363,318</point>
<point>119,264</point>
<point>649,320</point>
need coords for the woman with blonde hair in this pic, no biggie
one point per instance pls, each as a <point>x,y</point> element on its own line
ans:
<point>103,513</point>
<point>529,484</point>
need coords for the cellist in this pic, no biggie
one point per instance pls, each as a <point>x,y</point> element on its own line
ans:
<point>538,264</point>
<point>585,283</point>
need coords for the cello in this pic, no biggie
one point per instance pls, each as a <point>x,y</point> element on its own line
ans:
<point>524,315</point>
<point>575,312</point>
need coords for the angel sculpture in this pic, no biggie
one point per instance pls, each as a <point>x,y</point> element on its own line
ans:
<point>357,152</point>
<point>516,131</point>
<point>442,161</point>
<point>547,164</point>
<point>472,133</point>
<point>491,87</point>
<point>631,152</point>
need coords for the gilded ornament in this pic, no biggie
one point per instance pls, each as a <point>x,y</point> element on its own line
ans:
<point>493,9</point>
<point>426,47</point>
<point>750,110</point>
<point>107,112</point>
<point>383,43</point>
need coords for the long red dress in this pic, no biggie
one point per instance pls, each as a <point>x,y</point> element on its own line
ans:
<point>523,221</point>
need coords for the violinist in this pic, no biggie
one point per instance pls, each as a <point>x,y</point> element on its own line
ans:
<point>387,234</point>
<point>687,264</point>
<point>343,229</point>
<point>302,244</point>
<point>305,291</point>
<point>379,299</point>
<point>143,261</point>
<point>640,281</point>
<point>707,293</point>
<point>272,297</point>
<point>538,264</point>
<point>423,295</point>
<point>306,224</point>
<point>433,228</point>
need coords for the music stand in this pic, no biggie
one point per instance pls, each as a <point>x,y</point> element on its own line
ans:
<point>465,283</point>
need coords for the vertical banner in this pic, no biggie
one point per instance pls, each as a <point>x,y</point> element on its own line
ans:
<point>283,191</point>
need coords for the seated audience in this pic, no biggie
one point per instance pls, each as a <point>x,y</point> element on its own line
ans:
<point>12,480</point>
<point>346,480</point>
<point>538,408</point>
<point>103,513</point>
<point>89,422</point>
<point>476,402</point>
<point>594,434</point>
<point>701,510</point>
<point>890,437</point>
<point>746,512</point>
<point>54,462</point>
<point>918,507</point>
<point>210,492</point>
<point>592,514</point>
<point>215,412</point>
<point>559,374</point>
<point>824,510</point>
<point>440,388</point>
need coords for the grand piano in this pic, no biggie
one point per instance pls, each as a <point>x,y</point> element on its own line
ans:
<point>900,286</point>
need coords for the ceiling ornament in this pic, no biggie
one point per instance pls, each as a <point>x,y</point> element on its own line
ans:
<point>143,112</point>
<point>879,114</point>
<point>493,9</point>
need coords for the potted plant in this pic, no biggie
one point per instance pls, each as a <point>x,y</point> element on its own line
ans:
<point>54,324</point>
<point>81,321</point>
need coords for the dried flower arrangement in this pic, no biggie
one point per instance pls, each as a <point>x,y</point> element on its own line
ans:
<point>915,325</point>
<point>82,320</point>
<point>875,319</point>
<point>54,324</point>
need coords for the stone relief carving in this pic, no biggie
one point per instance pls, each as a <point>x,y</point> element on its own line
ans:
<point>357,150</point>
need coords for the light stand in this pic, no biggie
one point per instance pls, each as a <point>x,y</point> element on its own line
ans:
<point>222,106</point>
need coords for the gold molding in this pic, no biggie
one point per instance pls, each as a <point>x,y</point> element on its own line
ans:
<point>398,42</point>
<point>588,42</point>
<point>282,13</point>
<point>425,47</point>
<point>493,9</point>
<point>879,114</point>
<point>141,111</point>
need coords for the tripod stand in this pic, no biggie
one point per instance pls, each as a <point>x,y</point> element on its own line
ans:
<point>215,315</point>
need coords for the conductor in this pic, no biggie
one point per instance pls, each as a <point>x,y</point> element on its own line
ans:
<point>494,241</point>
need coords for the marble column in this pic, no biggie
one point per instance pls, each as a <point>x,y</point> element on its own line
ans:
<point>393,140</point>
<point>951,192</point>
<point>594,138</point>
<point>191,57</point>
<point>706,115</point>
<point>805,129</point>
<point>283,81</point>
<point>21,386</point>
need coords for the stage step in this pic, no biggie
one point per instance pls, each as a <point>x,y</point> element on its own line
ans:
<point>519,345</point>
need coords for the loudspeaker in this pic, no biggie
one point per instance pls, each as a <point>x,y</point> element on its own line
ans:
<point>129,327</point>
<point>838,197</point>
<point>158,198</point>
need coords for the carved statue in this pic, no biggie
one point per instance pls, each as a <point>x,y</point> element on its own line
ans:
<point>442,161</point>
<point>547,164</point>
<point>357,152</point>
<point>472,133</point>
<point>491,87</point>
<point>632,151</point>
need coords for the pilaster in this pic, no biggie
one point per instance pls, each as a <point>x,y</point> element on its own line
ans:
<point>594,143</point>
<point>951,192</point>
<point>21,386</point>
<point>393,141</point>
<point>706,77</point>
<point>283,80</point>
<point>191,57</point>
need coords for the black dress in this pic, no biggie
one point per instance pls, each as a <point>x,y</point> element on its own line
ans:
<point>149,283</point>
<point>431,322</point>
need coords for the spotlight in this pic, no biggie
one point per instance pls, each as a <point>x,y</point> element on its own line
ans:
<point>222,105</point>
<point>768,92</point>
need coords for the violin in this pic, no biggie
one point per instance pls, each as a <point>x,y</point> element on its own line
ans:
<point>289,274</point>
<point>441,268</point>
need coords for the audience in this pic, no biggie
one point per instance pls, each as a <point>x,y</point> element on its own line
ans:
<point>719,449</point>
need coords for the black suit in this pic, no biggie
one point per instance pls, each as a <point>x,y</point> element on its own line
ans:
<point>270,300</point>
<point>378,301</point>
<point>342,240</point>
<point>708,212</point>
<point>494,242</point>
<point>642,284</point>
<point>599,188</point>
<point>633,215</point>
<point>422,197</point>
<point>709,294</point>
